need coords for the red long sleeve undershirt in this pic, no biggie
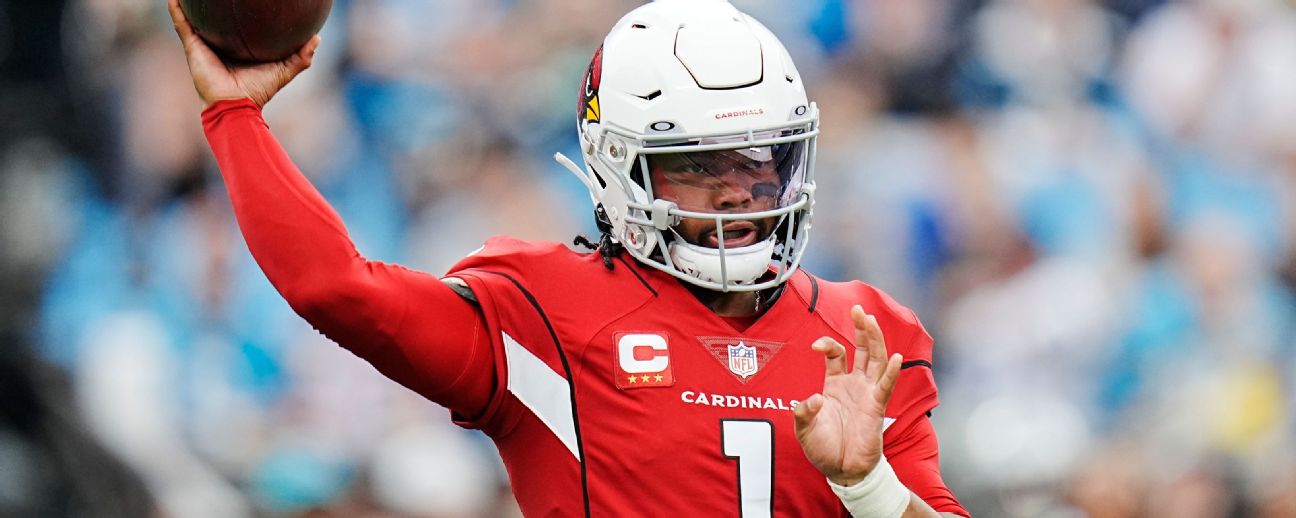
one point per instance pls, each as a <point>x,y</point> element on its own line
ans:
<point>409,325</point>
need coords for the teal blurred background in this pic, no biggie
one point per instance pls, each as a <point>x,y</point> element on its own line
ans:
<point>1090,203</point>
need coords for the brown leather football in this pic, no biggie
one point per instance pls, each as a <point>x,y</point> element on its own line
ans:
<point>256,30</point>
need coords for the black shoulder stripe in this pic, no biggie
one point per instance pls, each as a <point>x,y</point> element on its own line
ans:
<point>915,363</point>
<point>636,274</point>
<point>814,292</point>
<point>571,384</point>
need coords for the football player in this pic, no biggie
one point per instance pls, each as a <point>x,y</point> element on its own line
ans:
<point>688,367</point>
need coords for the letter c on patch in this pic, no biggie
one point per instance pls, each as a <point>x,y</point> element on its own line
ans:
<point>643,353</point>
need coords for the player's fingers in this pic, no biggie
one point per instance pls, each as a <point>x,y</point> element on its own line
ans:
<point>834,354</point>
<point>869,341</point>
<point>806,411</point>
<point>858,317</point>
<point>180,22</point>
<point>196,50</point>
<point>886,384</point>
<point>177,14</point>
<point>877,350</point>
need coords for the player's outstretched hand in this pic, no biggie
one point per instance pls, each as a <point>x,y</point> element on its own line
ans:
<point>841,429</point>
<point>216,80</point>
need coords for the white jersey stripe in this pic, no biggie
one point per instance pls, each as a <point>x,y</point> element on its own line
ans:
<point>542,390</point>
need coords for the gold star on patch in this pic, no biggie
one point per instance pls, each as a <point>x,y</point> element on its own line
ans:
<point>644,378</point>
<point>633,379</point>
<point>657,378</point>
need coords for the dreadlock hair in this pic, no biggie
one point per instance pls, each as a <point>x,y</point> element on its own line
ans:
<point>606,246</point>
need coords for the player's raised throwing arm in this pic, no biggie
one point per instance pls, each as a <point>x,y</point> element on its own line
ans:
<point>412,327</point>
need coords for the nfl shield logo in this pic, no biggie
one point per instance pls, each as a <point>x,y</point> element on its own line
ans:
<point>742,359</point>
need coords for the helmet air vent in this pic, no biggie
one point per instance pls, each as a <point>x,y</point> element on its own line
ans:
<point>721,56</point>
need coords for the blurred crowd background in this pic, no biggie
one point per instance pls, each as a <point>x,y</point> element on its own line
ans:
<point>1092,205</point>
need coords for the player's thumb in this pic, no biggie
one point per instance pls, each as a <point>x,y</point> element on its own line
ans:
<point>806,411</point>
<point>300,60</point>
<point>283,72</point>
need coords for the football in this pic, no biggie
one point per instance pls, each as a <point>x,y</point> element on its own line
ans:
<point>256,30</point>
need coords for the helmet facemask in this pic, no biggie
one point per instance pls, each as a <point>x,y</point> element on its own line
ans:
<point>757,188</point>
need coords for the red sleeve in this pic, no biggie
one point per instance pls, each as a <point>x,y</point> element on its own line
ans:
<point>409,325</point>
<point>915,456</point>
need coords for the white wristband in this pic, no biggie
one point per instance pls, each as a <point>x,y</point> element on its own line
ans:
<point>879,495</point>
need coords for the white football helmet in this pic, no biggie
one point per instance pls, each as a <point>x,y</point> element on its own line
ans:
<point>708,98</point>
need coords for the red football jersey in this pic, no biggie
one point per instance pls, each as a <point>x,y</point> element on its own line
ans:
<point>615,391</point>
<point>620,394</point>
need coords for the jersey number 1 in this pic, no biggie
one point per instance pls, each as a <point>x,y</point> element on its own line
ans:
<point>751,444</point>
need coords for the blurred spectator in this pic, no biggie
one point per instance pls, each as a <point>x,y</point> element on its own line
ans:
<point>52,466</point>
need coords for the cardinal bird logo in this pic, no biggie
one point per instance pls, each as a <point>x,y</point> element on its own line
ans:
<point>587,110</point>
